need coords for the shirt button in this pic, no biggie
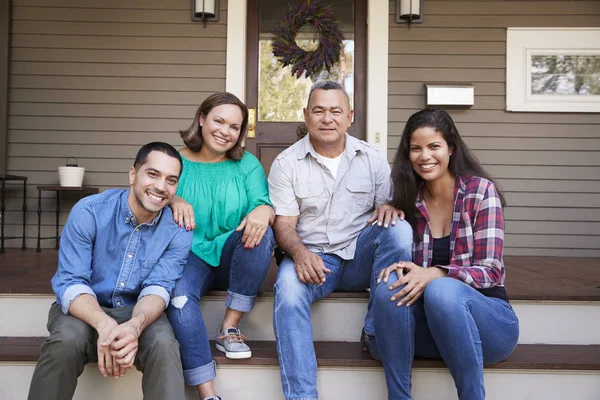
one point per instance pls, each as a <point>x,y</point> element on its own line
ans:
<point>129,255</point>
<point>122,284</point>
<point>137,229</point>
<point>118,303</point>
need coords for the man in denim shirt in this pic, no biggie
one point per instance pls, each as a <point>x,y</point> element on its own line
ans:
<point>120,256</point>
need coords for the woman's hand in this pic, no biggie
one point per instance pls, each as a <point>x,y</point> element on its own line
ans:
<point>255,225</point>
<point>386,214</point>
<point>183,213</point>
<point>415,277</point>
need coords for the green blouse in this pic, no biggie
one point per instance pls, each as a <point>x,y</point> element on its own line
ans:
<point>222,194</point>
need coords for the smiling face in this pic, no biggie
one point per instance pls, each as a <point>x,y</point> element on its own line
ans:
<point>153,185</point>
<point>327,117</point>
<point>221,129</point>
<point>429,154</point>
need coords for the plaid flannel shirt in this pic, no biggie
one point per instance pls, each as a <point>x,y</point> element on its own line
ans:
<point>476,234</point>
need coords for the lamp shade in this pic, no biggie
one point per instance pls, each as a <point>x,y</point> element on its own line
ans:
<point>204,8</point>
<point>409,11</point>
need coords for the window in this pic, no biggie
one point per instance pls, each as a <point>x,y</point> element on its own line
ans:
<point>553,69</point>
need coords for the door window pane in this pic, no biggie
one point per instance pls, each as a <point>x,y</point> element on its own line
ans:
<point>281,97</point>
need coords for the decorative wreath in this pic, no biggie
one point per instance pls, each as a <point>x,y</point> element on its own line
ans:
<point>287,51</point>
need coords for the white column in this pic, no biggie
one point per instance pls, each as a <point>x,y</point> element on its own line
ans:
<point>235,75</point>
<point>377,73</point>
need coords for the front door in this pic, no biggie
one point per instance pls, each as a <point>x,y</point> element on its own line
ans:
<point>278,97</point>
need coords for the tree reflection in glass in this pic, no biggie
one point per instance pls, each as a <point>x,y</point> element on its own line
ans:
<point>565,75</point>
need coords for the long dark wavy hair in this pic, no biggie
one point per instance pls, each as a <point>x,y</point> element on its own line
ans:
<point>192,137</point>
<point>406,182</point>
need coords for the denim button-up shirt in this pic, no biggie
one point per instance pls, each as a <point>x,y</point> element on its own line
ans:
<point>105,253</point>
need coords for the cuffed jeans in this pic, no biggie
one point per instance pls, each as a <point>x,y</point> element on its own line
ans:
<point>452,321</point>
<point>376,248</point>
<point>241,272</point>
<point>73,343</point>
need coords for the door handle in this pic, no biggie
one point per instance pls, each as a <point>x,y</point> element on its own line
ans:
<point>251,123</point>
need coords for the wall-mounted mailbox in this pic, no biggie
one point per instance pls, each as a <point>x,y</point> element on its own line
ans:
<point>460,95</point>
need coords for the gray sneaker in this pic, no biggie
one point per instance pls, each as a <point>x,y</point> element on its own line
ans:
<point>231,342</point>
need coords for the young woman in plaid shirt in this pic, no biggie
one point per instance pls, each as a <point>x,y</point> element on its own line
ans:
<point>451,302</point>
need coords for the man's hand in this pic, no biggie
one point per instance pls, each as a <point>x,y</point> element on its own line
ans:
<point>106,362</point>
<point>183,213</point>
<point>123,344</point>
<point>384,214</point>
<point>415,277</point>
<point>255,225</point>
<point>310,267</point>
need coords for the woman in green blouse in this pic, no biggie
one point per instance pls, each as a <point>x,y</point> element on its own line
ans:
<point>223,196</point>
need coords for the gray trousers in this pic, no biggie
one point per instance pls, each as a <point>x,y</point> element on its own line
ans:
<point>73,343</point>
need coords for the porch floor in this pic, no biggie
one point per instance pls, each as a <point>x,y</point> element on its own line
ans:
<point>527,278</point>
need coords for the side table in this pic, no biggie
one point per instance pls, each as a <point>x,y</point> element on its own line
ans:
<point>58,189</point>
<point>4,179</point>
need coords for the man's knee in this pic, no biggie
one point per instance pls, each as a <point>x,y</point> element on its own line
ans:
<point>70,337</point>
<point>401,234</point>
<point>289,291</point>
<point>159,340</point>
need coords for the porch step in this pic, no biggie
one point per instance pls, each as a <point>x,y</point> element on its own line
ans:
<point>550,322</point>
<point>532,372</point>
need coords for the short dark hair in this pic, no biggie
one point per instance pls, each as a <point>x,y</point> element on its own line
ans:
<point>328,85</point>
<point>406,182</point>
<point>142,155</point>
<point>192,137</point>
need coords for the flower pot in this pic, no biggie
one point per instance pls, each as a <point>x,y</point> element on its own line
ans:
<point>71,175</point>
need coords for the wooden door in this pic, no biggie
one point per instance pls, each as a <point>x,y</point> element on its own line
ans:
<point>272,134</point>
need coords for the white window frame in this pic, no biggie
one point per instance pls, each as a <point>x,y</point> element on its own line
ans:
<point>523,43</point>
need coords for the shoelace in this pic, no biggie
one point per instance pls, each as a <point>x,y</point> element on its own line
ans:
<point>233,338</point>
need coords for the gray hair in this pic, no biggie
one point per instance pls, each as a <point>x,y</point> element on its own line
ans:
<point>328,85</point>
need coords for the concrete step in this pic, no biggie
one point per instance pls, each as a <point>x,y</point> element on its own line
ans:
<point>551,322</point>
<point>533,372</point>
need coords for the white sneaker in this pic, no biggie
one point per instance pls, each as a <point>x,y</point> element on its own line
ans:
<point>231,342</point>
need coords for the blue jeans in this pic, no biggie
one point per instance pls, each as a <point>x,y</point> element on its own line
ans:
<point>376,248</point>
<point>451,321</point>
<point>241,272</point>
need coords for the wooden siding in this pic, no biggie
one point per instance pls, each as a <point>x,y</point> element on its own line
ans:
<point>4,57</point>
<point>547,164</point>
<point>96,80</point>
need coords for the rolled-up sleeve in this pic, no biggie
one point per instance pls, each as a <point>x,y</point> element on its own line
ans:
<point>383,192</point>
<point>162,278</point>
<point>72,278</point>
<point>281,190</point>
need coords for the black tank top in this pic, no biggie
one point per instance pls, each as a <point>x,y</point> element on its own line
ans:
<point>441,256</point>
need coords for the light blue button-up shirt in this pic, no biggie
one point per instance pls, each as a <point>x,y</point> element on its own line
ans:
<point>105,253</point>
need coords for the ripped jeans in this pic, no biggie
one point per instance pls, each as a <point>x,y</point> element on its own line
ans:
<point>241,272</point>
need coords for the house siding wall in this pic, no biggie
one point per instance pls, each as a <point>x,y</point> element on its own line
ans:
<point>547,164</point>
<point>96,80</point>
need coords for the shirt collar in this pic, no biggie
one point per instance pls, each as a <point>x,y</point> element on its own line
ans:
<point>305,147</point>
<point>127,214</point>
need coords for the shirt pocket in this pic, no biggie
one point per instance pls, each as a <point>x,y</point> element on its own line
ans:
<point>311,198</point>
<point>147,267</point>
<point>361,195</point>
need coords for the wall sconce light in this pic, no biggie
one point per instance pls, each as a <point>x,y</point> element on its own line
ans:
<point>205,10</point>
<point>455,95</point>
<point>409,11</point>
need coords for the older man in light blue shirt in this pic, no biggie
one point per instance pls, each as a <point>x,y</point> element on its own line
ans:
<point>119,258</point>
<point>329,192</point>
